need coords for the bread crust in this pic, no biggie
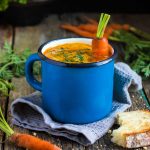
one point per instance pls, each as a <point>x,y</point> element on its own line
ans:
<point>137,132</point>
<point>138,140</point>
<point>137,137</point>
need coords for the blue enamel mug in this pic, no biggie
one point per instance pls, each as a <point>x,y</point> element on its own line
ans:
<point>73,93</point>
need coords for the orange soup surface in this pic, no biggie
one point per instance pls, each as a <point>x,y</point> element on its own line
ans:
<point>74,53</point>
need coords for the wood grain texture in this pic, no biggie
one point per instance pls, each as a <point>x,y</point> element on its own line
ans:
<point>146,85</point>
<point>32,37</point>
<point>24,38</point>
<point>6,34</point>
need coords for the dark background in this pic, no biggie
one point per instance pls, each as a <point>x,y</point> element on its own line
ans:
<point>33,12</point>
<point>113,6</point>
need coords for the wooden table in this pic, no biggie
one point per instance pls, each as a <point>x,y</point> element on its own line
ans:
<point>32,37</point>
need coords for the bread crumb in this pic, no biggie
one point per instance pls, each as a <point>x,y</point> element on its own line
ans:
<point>141,97</point>
<point>34,134</point>
<point>132,96</point>
<point>109,131</point>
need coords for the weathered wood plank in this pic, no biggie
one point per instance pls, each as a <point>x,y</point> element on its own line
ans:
<point>140,21</point>
<point>95,146</point>
<point>146,85</point>
<point>21,88</point>
<point>32,37</point>
<point>6,34</point>
<point>66,144</point>
<point>76,146</point>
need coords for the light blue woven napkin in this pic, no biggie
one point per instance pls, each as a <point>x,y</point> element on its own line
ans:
<point>28,113</point>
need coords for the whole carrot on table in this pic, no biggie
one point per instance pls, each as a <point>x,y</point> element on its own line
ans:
<point>77,30</point>
<point>24,140</point>
<point>89,29</point>
<point>92,28</point>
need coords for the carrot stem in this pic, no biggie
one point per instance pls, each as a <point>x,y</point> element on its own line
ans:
<point>4,125</point>
<point>99,25</point>
<point>104,18</point>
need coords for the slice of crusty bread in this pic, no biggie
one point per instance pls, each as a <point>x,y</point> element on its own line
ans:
<point>134,130</point>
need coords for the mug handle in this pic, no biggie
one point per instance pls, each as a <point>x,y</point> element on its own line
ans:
<point>29,72</point>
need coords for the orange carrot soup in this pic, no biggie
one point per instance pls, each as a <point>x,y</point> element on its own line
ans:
<point>75,53</point>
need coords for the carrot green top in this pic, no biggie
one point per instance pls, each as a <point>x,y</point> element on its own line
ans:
<point>4,125</point>
<point>104,18</point>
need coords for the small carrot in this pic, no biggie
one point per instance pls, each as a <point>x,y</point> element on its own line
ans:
<point>88,27</point>
<point>112,27</point>
<point>25,140</point>
<point>108,32</point>
<point>77,30</point>
<point>116,26</point>
<point>100,44</point>
<point>32,143</point>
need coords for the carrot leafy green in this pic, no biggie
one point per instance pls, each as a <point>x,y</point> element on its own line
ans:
<point>4,125</point>
<point>4,4</point>
<point>137,51</point>
<point>11,65</point>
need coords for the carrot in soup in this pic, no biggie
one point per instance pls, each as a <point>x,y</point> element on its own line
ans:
<point>99,50</point>
<point>100,44</point>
